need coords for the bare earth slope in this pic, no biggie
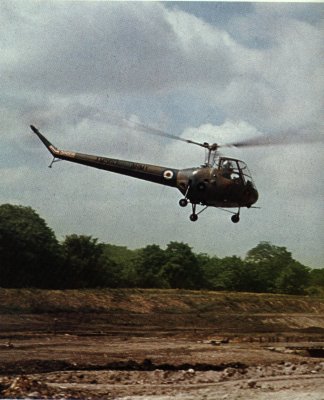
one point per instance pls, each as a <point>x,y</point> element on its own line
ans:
<point>165,343</point>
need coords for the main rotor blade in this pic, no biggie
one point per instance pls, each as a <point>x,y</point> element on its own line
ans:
<point>138,126</point>
<point>288,138</point>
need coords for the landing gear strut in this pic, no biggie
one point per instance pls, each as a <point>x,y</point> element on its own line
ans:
<point>184,202</point>
<point>194,215</point>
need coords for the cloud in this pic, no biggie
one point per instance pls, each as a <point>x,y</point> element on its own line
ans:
<point>144,48</point>
<point>272,89</point>
<point>90,47</point>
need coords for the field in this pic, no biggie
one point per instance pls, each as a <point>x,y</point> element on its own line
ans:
<point>160,344</point>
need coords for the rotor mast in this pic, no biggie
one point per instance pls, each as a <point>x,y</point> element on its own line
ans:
<point>211,153</point>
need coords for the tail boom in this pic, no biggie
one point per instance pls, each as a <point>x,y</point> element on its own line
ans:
<point>153,173</point>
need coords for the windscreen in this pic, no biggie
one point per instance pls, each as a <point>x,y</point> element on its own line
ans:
<point>235,170</point>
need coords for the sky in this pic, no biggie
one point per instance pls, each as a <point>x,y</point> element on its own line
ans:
<point>207,71</point>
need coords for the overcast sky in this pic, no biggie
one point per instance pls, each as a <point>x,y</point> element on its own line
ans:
<point>204,71</point>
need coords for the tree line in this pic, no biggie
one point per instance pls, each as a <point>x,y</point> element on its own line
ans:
<point>31,256</point>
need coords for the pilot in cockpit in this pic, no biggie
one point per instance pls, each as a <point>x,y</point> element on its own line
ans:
<point>227,170</point>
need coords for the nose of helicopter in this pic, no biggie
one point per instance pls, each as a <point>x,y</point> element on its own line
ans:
<point>253,196</point>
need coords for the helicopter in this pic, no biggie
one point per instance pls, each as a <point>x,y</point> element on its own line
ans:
<point>221,182</point>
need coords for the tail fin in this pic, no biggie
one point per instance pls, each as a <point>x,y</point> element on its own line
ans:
<point>52,149</point>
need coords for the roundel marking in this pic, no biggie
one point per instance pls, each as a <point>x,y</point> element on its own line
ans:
<point>168,174</point>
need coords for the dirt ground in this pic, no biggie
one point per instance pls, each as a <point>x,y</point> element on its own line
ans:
<point>153,364</point>
<point>163,355</point>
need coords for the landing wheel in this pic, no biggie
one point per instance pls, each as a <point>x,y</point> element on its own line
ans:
<point>235,218</point>
<point>193,217</point>
<point>183,202</point>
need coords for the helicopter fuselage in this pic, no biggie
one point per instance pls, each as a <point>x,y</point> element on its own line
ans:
<point>208,186</point>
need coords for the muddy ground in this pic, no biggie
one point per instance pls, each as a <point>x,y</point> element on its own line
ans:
<point>149,355</point>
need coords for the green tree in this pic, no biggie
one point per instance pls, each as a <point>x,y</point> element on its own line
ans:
<point>29,251</point>
<point>266,263</point>
<point>209,267</point>
<point>85,264</point>
<point>212,269</point>
<point>229,273</point>
<point>234,274</point>
<point>316,277</point>
<point>267,252</point>
<point>125,259</point>
<point>316,282</point>
<point>148,267</point>
<point>293,279</point>
<point>182,269</point>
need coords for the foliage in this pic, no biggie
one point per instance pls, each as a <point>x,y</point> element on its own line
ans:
<point>148,267</point>
<point>267,263</point>
<point>125,261</point>
<point>266,252</point>
<point>29,252</point>
<point>181,269</point>
<point>293,279</point>
<point>31,256</point>
<point>85,264</point>
<point>229,273</point>
<point>316,282</point>
<point>316,277</point>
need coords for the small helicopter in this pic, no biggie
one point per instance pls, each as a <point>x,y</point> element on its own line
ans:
<point>221,182</point>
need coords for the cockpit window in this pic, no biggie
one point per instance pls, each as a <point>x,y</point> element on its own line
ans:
<point>235,170</point>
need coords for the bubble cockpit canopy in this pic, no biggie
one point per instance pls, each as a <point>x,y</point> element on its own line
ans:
<point>236,170</point>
